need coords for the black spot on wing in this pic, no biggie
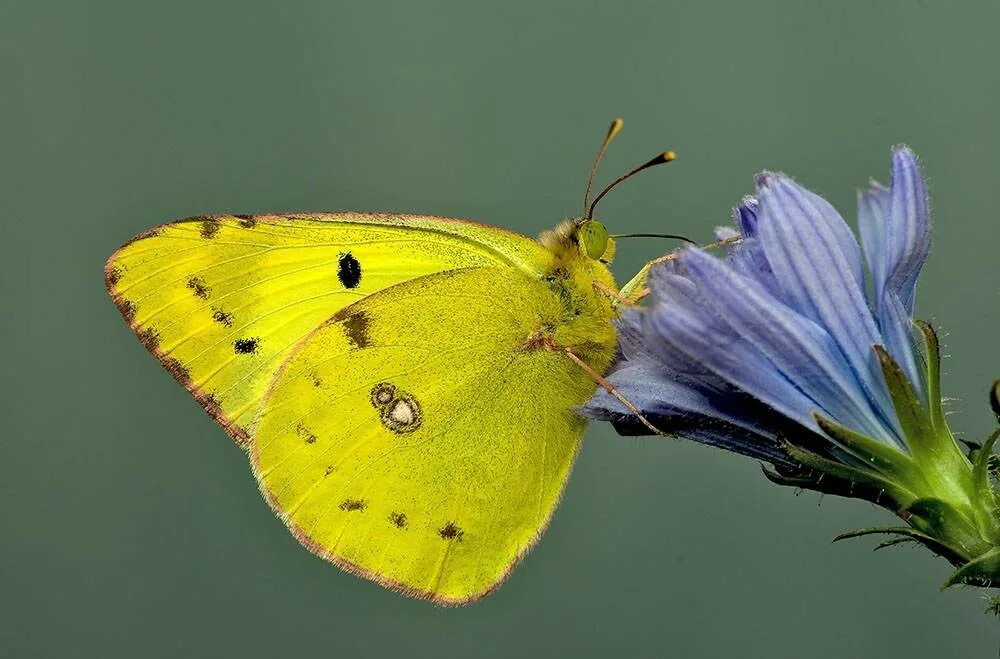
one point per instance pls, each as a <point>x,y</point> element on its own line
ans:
<point>307,435</point>
<point>353,504</point>
<point>451,532</point>
<point>211,403</point>
<point>177,370</point>
<point>199,287</point>
<point>209,227</point>
<point>155,231</point>
<point>150,338</point>
<point>356,329</point>
<point>246,346</point>
<point>397,519</point>
<point>349,271</point>
<point>126,308</point>
<point>224,318</point>
<point>246,221</point>
<point>114,276</point>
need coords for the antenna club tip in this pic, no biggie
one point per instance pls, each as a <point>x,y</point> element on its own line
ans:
<point>669,155</point>
<point>616,126</point>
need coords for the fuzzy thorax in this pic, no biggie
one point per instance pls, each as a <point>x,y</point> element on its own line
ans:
<point>582,318</point>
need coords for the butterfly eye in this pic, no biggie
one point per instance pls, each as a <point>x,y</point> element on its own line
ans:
<point>593,238</point>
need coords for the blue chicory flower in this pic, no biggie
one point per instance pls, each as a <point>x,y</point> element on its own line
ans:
<point>797,347</point>
<point>744,351</point>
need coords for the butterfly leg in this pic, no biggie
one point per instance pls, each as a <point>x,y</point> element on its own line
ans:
<point>635,290</point>
<point>599,379</point>
<point>616,297</point>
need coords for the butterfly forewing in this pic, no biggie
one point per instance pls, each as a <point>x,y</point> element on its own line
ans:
<point>222,300</point>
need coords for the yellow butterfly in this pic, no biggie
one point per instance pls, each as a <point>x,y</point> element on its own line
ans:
<point>404,385</point>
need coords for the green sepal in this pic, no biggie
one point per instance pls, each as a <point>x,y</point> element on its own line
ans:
<point>987,499</point>
<point>938,519</point>
<point>933,449</point>
<point>892,542</point>
<point>908,533</point>
<point>932,368</point>
<point>918,429</point>
<point>790,481</point>
<point>981,571</point>
<point>825,483</point>
<point>885,459</point>
<point>849,475</point>
<point>878,530</point>
<point>982,459</point>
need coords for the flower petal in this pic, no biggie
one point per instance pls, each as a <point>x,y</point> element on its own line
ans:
<point>803,352</point>
<point>817,263</point>
<point>683,325</point>
<point>676,408</point>
<point>897,330</point>
<point>745,216</point>
<point>748,259</point>
<point>908,233</point>
<point>873,216</point>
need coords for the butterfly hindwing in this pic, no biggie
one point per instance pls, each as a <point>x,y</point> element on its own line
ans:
<point>422,436</point>
<point>222,300</point>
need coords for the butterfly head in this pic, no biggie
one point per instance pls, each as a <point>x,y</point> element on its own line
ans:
<point>583,238</point>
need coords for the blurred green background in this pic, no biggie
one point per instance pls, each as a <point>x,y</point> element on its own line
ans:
<point>131,525</point>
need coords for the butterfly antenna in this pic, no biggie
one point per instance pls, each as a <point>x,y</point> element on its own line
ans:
<point>665,157</point>
<point>613,130</point>
<point>671,236</point>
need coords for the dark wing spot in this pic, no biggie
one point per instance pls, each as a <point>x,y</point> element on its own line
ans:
<point>199,287</point>
<point>451,532</point>
<point>307,435</point>
<point>222,317</point>
<point>211,403</point>
<point>356,329</point>
<point>150,338</point>
<point>155,231</point>
<point>246,221</point>
<point>397,519</point>
<point>114,276</point>
<point>209,228</point>
<point>314,376</point>
<point>353,504</point>
<point>178,370</point>
<point>349,271</point>
<point>329,470</point>
<point>246,346</point>
<point>126,308</point>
